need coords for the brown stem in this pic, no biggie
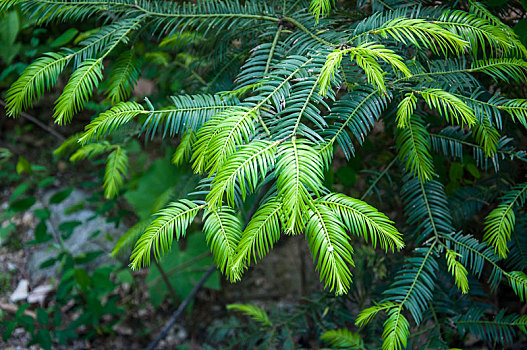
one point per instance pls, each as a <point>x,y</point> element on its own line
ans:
<point>14,308</point>
<point>38,123</point>
<point>167,282</point>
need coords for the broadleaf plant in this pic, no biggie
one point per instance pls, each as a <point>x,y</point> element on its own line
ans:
<point>307,85</point>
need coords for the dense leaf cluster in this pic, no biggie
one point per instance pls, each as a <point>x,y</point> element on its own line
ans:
<point>307,85</point>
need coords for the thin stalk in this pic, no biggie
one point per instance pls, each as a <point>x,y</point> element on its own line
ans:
<point>223,68</point>
<point>436,320</point>
<point>38,123</point>
<point>181,267</point>
<point>455,71</point>
<point>381,175</point>
<point>167,282</point>
<point>308,32</point>
<point>181,308</point>
<point>273,47</point>
<point>267,66</point>
<point>193,72</point>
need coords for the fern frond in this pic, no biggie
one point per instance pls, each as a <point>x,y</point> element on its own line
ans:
<point>38,77</point>
<point>501,329</point>
<point>518,282</point>
<point>329,70</point>
<point>241,172</point>
<point>158,236</point>
<point>396,331</point>
<point>252,311</point>
<point>128,239</point>
<point>415,283</point>
<point>261,233</point>
<point>422,34</point>
<point>111,120</point>
<point>219,138</point>
<point>499,224</point>
<point>355,114</point>
<point>223,231</point>
<point>329,242</point>
<point>413,143</point>
<point>487,136</point>
<point>90,150</point>
<point>448,106</point>
<point>123,77</point>
<point>479,32</point>
<point>405,110</point>
<point>366,315</point>
<point>184,149</point>
<point>457,270</point>
<point>364,220</point>
<point>188,112</point>
<point>78,90</point>
<point>342,339</point>
<point>502,68</point>
<point>427,208</point>
<point>299,170</point>
<point>517,108</point>
<point>320,7</point>
<point>116,170</point>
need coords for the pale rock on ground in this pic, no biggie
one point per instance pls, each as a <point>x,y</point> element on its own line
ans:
<point>21,292</point>
<point>79,242</point>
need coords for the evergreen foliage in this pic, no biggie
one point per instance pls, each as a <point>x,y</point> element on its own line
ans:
<point>314,80</point>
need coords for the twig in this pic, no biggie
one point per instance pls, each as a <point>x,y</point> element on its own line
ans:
<point>38,123</point>
<point>181,267</point>
<point>13,309</point>
<point>180,309</point>
<point>378,178</point>
<point>167,281</point>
